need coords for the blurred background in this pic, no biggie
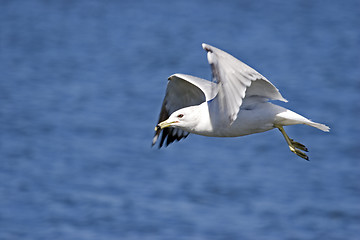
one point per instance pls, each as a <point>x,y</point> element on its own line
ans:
<point>81,86</point>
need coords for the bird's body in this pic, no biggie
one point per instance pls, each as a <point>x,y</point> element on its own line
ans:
<point>234,104</point>
<point>259,118</point>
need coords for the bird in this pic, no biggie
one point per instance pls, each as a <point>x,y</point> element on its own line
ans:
<point>235,103</point>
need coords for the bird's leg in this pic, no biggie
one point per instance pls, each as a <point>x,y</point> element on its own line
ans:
<point>295,147</point>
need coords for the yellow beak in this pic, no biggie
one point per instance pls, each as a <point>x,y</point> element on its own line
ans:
<point>164,124</point>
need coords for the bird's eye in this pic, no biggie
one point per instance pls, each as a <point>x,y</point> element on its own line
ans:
<point>180,115</point>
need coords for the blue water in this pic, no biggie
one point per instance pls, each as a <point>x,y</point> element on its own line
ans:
<point>81,85</point>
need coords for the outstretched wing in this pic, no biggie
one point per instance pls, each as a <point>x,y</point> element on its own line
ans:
<point>182,91</point>
<point>236,81</point>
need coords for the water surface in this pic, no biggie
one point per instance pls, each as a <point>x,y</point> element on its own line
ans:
<point>81,84</point>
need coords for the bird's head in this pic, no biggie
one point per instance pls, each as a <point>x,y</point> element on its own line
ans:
<point>185,119</point>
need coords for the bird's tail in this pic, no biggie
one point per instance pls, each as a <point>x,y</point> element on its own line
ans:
<point>320,126</point>
<point>287,117</point>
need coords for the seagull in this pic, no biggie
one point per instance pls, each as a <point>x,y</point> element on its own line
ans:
<point>235,103</point>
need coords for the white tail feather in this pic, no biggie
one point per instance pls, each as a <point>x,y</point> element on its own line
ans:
<point>289,117</point>
<point>320,126</point>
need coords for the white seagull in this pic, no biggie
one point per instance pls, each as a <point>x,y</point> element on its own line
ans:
<point>235,103</point>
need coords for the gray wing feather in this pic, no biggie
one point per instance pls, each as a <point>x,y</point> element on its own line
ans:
<point>236,81</point>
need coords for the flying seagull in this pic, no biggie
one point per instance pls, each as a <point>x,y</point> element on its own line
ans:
<point>235,103</point>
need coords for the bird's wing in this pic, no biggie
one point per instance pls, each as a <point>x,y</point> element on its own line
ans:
<point>236,81</point>
<point>182,91</point>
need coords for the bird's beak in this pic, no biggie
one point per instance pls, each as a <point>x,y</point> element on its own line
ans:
<point>164,124</point>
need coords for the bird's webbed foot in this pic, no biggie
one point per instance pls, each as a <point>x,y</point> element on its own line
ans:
<point>294,146</point>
